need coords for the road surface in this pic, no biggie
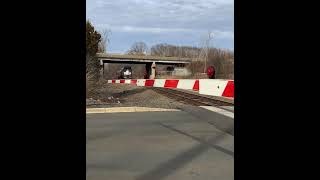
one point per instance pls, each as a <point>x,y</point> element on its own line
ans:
<point>192,144</point>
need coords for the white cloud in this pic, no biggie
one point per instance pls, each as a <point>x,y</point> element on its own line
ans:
<point>150,29</point>
<point>192,17</point>
<point>223,34</point>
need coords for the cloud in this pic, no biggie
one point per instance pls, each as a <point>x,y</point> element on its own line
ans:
<point>151,30</point>
<point>165,18</point>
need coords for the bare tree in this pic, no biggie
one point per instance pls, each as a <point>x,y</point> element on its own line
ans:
<point>93,38</point>
<point>158,50</point>
<point>139,48</point>
<point>92,75</point>
<point>105,39</point>
<point>204,56</point>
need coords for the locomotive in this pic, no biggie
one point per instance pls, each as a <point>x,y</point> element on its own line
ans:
<point>125,73</point>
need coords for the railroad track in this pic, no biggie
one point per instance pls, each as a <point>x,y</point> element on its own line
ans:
<point>190,98</point>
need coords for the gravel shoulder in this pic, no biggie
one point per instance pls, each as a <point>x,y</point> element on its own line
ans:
<point>125,95</point>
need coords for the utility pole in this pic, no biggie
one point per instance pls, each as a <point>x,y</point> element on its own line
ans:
<point>207,44</point>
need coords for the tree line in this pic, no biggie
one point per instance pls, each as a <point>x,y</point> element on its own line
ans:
<point>220,59</point>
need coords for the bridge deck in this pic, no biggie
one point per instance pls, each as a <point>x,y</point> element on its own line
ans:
<point>139,58</point>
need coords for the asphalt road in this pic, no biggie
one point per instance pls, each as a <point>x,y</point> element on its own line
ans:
<point>193,144</point>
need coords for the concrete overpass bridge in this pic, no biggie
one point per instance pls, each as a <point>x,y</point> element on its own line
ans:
<point>149,61</point>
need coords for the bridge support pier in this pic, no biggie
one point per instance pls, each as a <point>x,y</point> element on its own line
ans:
<point>151,70</point>
<point>102,70</point>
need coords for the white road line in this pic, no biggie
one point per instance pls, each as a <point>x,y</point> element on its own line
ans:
<point>127,109</point>
<point>219,111</point>
<point>231,108</point>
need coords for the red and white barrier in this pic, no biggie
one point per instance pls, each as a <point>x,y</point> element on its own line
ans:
<point>217,87</point>
<point>213,87</point>
<point>188,84</point>
<point>123,81</point>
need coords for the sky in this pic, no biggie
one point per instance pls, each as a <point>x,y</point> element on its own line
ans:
<point>176,22</point>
